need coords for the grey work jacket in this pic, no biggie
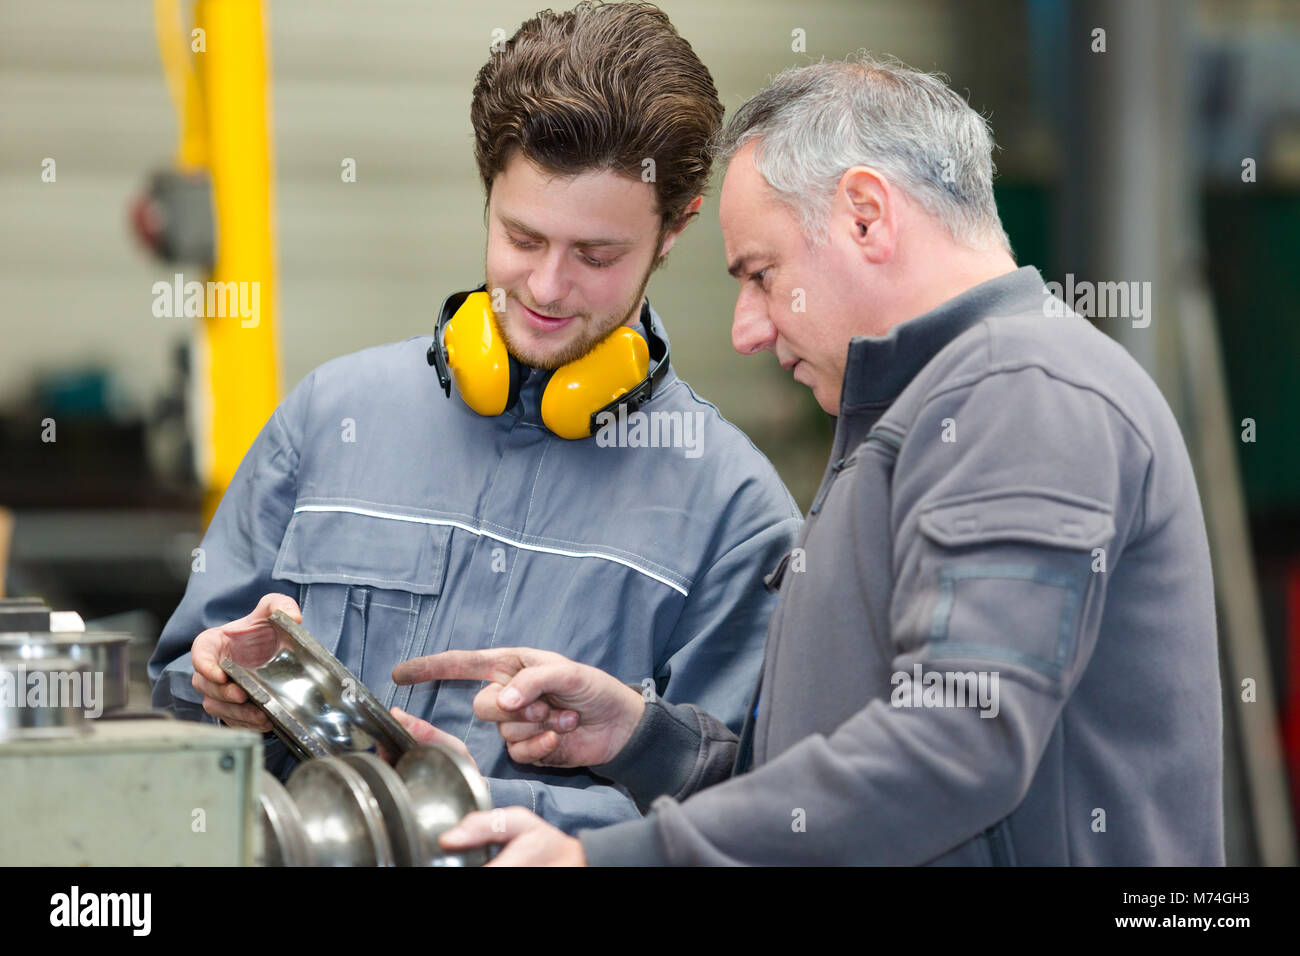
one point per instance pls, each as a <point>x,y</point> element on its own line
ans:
<point>406,524</point>
<point>998,644</point>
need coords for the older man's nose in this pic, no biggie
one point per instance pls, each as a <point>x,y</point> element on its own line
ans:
<point>751,330</point>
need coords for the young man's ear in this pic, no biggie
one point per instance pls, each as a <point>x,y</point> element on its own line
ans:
<point>690,212</point>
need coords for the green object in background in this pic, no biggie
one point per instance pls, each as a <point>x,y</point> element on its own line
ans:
<point>76,393</point>
<point>1252,248</point>
<point>1026,212</point>
<point>1252,240</point>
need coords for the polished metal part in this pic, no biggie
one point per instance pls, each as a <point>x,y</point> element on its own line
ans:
<point>24,614</point>
<point>341,817</point>
<point>444,786</point>
<point>104,653</point>
<point>284,836</point>
<point>46,715</point>
<point>356,810</point>
<point>317,707</point>
<point>404,834</point>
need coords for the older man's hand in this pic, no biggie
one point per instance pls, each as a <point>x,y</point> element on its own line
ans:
<point>529,840</point>
<point>549,709</point>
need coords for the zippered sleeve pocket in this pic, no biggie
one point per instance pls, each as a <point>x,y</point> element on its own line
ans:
<point>1009,579</point>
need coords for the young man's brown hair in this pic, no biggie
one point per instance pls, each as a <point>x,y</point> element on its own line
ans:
<point>602,86</point>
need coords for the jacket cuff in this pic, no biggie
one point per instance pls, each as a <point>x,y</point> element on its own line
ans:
<point>633,843</point>
<point>660,756</point>
<point>174,691</point>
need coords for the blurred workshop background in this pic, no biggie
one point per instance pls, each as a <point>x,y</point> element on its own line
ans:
<point>343,174</point>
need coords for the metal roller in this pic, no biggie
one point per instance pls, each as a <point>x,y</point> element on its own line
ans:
<point>340,815</point>
<point>284,836</point>
<point>356,810</point>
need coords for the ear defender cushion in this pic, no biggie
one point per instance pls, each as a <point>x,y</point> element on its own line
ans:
<point>486,376</point>
<point>580,389</point>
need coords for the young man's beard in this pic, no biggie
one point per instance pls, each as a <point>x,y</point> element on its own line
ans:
<point>592,334</point>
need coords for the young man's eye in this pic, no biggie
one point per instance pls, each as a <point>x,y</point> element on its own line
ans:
<point>597,263</point>
<point>521,243</point>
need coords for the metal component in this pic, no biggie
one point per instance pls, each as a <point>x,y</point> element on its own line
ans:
<point>355,810</point>
<point>444,786</point>
<point>24,614</point>
<point>341,817</point>
<point>52,706</point>
<point>352,809</point>
<point>404,834</point>
<point>103,652</point>
<point>317,707</point>
<point>284,837</point>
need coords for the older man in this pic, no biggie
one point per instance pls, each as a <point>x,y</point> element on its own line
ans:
<point>995,641</point>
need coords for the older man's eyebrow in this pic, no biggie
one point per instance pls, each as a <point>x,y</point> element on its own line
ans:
<point>741,263</point>
<point>517,226</point>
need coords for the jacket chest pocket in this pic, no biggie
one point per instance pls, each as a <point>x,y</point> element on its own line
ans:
<point>368,585</point>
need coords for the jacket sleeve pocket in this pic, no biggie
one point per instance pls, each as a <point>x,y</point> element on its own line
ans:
<point>1031,517</point>
<point>1009,579</point>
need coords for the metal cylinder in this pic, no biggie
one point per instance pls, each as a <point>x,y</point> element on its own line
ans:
<point>44,697</point>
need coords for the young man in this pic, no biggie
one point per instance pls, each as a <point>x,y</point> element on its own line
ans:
<point>403,522</point>
<point>998,645</point>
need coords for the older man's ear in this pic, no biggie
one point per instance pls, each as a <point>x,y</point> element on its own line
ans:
<point>865,210</point>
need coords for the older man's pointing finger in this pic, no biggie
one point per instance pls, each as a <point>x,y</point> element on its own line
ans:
<point>549,710</point>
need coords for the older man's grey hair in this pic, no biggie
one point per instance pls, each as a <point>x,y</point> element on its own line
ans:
<point>813,123</point>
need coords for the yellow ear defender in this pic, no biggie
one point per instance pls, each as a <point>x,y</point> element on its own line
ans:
<point>468,349</point>
<point>486,376</point>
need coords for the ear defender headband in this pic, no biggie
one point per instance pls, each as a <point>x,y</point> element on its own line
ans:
<point>468,349</point>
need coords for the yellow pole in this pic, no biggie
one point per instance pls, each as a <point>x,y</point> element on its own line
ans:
<point>236,352</point>
<point>175,43</point>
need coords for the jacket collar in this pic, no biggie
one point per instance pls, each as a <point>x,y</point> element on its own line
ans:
<point>879,368</point>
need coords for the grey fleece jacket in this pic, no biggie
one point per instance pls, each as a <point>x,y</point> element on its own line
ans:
<point>995,641</point>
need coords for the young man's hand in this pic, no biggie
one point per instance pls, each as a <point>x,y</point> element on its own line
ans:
<point>425,733</point>
<point>249,638</point>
